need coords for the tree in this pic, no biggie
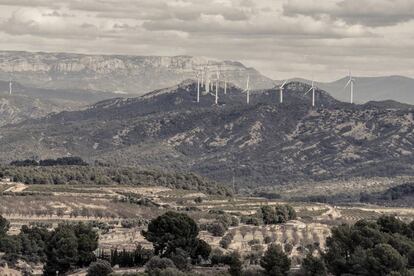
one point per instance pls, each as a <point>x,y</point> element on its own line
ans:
<point>4,226</point>
<point>62,251</point>
<point>313,266</point>
<point>235,264</point>
<point>275,261</point>
<point>171,231</point>
<point>70,246</point>
<point>87,243</point>
<point>370,248</point>
<point>383,259</point>
<point>99,268</point>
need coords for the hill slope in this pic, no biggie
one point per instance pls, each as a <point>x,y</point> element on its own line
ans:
<point>29,103</point>
<point>261,143</point>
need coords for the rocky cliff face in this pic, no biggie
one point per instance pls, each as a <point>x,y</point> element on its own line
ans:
<point>116,73</point>
<point>261,143</point>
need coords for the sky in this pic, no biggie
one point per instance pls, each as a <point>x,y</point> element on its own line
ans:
<point>319,39</point>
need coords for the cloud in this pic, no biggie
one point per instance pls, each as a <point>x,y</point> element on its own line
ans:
<point>364,12</point>
<point>282,38</point>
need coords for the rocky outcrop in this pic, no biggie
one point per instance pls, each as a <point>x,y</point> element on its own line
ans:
<point>117,73</point>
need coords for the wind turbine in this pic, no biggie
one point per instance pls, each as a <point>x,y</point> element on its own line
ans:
<point>351,82</point>
<point>217,84</point>
<point>198,86</point>
<point>207,82</point>
<point>247,90</point>
<point>313,87</point>
<point>10,87</point>
<point>281,88</point>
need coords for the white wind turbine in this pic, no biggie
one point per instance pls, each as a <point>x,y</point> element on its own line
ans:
<point>313,88</point>
<point>351,82</point>
<point>281,88</point>
<point>198,85</point>
<point>247,90</point>
<point>217,84</point>
<point>10,87</point>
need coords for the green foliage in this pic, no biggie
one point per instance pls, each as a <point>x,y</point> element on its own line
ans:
<point>99,268</point>
<point>70,246</point>
<point>217,229</point>
<point>4,226</point>
<point>235,264</point>
<point>99,175</point>
<point>172,231</point>
<point>278,214</point>
<point>226,240</point>
<point>139,257</point>
<point>64,161</point>
<point>275,261</point>
<point>313,266</point>
<point>370,248</point>
<point>156,264</point>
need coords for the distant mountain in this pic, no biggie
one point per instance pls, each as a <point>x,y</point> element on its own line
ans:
<point>264,143</point>
<point>117,73</point>
<point>396,88</point>
<point>29,103</point>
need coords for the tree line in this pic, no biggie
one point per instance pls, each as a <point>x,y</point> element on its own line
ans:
<point>102,175</point>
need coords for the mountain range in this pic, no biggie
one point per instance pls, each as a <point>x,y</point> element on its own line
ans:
<point>31,102</point>
<point>117,73</point>
<point>261,143</point>
<point>396,88</point>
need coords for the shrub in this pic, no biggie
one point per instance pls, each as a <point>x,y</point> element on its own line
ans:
<point>226,240</point>
<point>99,268</point>
<point>217,229</point>
<point>156,264</point>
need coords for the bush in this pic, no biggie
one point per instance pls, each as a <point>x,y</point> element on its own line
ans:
<point>217,229</point>
<point>226,240</point>
<point>268,240</point>
<point>99,268</point>
<point>235,264</point>
<point>156,264</point>
<point>254,242</point>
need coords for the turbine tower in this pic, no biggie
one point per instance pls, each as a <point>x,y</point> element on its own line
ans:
<point>198,86</point>
<point>351,82</point>
<point>225,85</point>
<point>10,87</point>
<point>281,88</point>
<point>217,84</point>
<point>247,90</point>
<point>313,87</point>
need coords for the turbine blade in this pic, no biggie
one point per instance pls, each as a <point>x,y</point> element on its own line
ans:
<point>346,85</point>
<point>308,91</point>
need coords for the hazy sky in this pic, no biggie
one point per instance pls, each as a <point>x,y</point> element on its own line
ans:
<point>281,38</point>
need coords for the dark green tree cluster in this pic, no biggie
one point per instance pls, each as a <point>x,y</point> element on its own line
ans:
<point>174,236</point>
<point>277,214</point>
<point>275,262</point>
<point>67,247</point>
<point>382,247</point>
<point>100,175</point>
<point>64,161</point>
<point>29,245</point>
<point>137,258</point>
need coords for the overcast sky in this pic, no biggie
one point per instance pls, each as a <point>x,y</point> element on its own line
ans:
<point>280,38</point>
